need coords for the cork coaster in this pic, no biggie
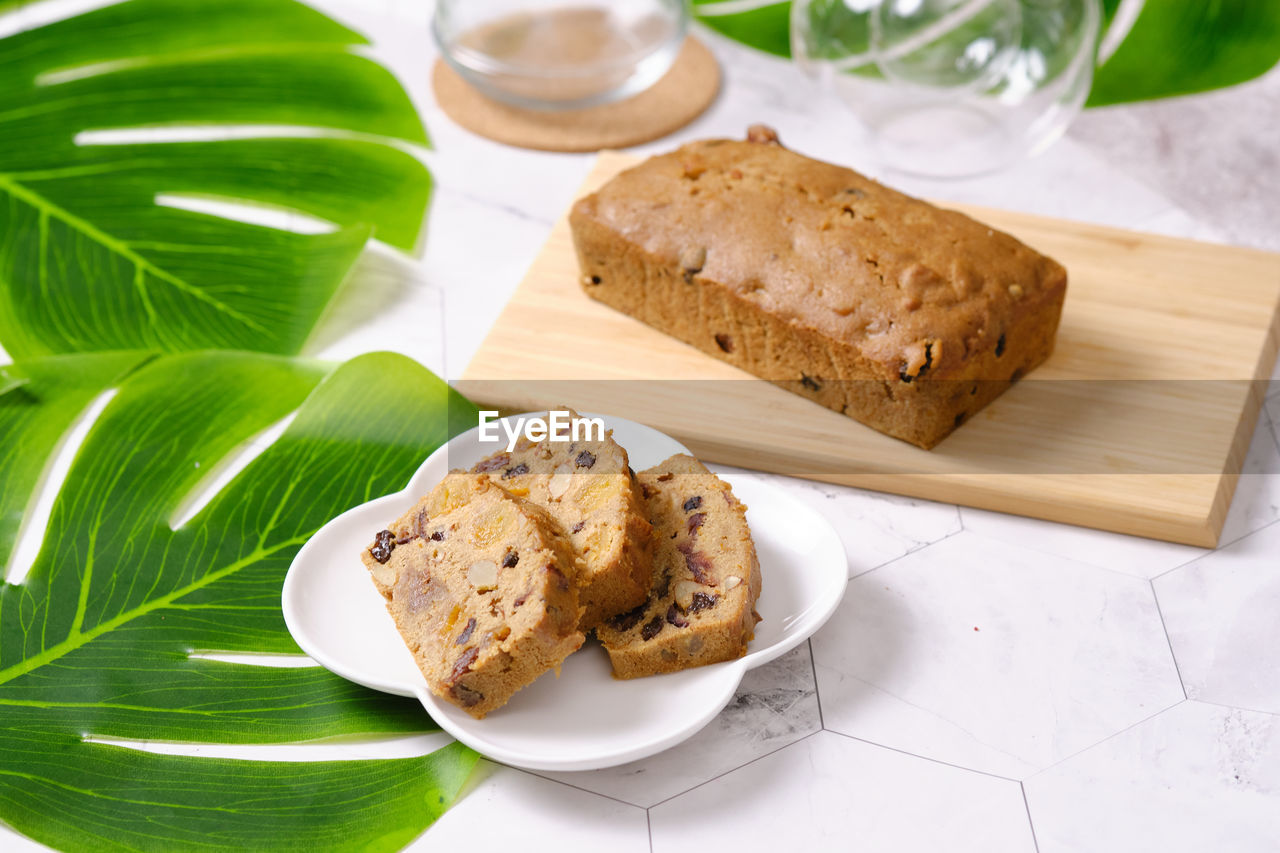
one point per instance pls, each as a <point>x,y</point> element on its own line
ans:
<point>682,95</point>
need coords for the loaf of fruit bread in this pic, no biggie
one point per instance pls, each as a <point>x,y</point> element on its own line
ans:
<point>904,316</point>
<point>705,582</point>
<point>589,489</point>
<point>481,587</point>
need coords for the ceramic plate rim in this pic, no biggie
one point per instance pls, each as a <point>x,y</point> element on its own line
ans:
<point>823,604</point>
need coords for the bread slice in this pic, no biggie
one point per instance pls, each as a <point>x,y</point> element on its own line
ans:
<point>705,581</point>
<point>481,585</point>
<point>588,487</point>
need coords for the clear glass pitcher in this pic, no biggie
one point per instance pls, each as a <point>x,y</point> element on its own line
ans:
<point>560,54</point>
<point>952,88</point>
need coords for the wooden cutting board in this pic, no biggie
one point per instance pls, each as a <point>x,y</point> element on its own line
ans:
<point>1138,423</point>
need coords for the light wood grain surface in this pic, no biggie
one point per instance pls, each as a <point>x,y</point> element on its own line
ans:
<point>1138,423</point>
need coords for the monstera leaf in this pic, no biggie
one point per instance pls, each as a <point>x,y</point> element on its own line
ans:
<point>106,270</point>
<point>90,260</point>
<point>102,638</point>
<point>31,427</point>
<point>1173,48</point>
<point>1182,48</point>
<point>764,26</point>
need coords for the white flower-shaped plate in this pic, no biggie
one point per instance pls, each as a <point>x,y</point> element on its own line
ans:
<point>585,719</point>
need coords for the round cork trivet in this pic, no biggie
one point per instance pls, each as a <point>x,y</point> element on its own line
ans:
<point>682,95</point>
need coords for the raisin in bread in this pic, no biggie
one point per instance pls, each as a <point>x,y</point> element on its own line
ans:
<point>481,586</point>
<point>705,582</point>
<point>904,316</point>
<point>589,488</point>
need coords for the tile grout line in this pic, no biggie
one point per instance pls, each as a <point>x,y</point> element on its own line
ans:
<point>1012,544</point>
<point>498,205</point>
<point>922,545</point>
<point>904,556</point>
<point>1239,538</point>
<point>1244,536</point>
<point>1263,414</point>
<point>1079,561</point>
<point>1121,573</point>
<point>1155,596</point>
<point>1275,428</point>
<point>1127,728</point>
<point>925,757</point>
<point>1030,823</point>
<point>1026,804</point>
<point>1221,546</point>
<point>1234,707</point>
<point>537,775</point>
<point>817,696</point>
<point>700,784</point>
<point>736,769</point>
<point>1155,578</point>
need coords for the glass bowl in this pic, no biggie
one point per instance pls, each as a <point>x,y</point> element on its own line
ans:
<point>549,55</point>
<point>952,88</point>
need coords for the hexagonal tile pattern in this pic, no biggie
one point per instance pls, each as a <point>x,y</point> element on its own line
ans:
<point>1223,618</point>
<point>1256,504</point>
<point>1196,777</point>
<point>1257,499</point>
<point>829,792</point>
<point>504,808</point>
<point>875,528</point>
<point>993,657</point>
<point>1132,555</point>
<point>775,705</point>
